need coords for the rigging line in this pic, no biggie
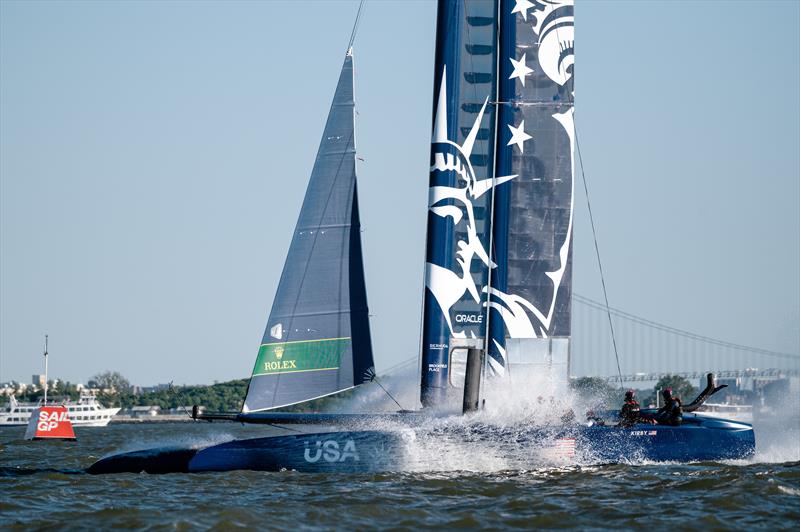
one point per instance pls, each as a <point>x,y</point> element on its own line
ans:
<point>375,379</point>
<point>355,24</point>
<point>687,334</point>
<point>399,365</point>
<point>597,250</point>
<point>571,99</point>
<point>171,390</point>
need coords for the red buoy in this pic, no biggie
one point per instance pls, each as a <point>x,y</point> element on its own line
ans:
<point>50,423</point>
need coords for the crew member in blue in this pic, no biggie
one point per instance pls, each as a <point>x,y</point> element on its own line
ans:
<point>630,413</point>
<point>671,413</point>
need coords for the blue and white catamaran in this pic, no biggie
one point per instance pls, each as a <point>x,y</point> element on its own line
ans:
<point>498,281</point>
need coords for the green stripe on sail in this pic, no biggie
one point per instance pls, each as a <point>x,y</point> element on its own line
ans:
<point>294,357</point>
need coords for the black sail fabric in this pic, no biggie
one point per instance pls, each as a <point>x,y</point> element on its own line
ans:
<point>317,340</point>
<point>533,217</point>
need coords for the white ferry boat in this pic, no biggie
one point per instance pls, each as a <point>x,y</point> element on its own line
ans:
<point>86,412</point>
<point>743,413</point>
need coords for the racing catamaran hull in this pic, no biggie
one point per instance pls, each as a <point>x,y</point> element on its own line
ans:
<point>699,438</point>
<point>356,451</point>
<point>710,440</point>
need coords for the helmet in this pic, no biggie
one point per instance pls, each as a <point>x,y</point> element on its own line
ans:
<point>629,395</point>
<point>667,393</point>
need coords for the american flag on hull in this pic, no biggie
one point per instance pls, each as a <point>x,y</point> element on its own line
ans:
<point>561,448</point>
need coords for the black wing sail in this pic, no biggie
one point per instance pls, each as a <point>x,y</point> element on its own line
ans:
<point>533,215</point>
<point>317,340</point>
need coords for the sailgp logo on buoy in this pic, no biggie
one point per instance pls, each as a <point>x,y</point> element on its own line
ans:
<point>49,420</point>
<point>329,450</point>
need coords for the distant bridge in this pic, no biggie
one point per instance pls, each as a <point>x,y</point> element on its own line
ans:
<point>649,350</point>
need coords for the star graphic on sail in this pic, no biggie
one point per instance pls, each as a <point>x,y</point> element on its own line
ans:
<point>516,311</point>
<point>522,7</point>
<point>520,69</point>
<point>518,136</point>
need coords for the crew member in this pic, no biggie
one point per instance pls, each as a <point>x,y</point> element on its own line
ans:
<point>630,414</point>
<point>671,413</point>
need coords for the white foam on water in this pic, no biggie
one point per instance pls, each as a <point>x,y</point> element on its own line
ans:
<point>789,491</point>
<point>490,440</point>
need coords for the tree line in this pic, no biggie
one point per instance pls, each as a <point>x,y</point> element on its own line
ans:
<point>598,391</point>
<point>229,396</point>
<point>116,390</point>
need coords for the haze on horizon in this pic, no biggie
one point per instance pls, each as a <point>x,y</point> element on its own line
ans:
<point>154,157</point>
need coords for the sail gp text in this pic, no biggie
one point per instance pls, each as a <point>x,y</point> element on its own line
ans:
<point>330,451</point>
<point>50,420</point>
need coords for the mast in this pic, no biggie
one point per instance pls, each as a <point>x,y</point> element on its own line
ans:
<point>459,201</point>
<point>46,385</point>
<point>435,331</point>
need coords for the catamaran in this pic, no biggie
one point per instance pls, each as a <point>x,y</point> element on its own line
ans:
<point>498,280</point>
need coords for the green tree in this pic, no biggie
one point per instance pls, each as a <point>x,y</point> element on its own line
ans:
<point>596,391</point>
<point>112,380</point>
<point>680,387</point>
<point>221,397</point>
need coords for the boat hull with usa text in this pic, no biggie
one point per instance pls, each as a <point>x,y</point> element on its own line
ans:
<point>322,452</point>
<point>699,438</point>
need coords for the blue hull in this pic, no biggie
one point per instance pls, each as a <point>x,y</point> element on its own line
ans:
<point>713,439</point>
<point>363,451</point>
<point>697,439</point>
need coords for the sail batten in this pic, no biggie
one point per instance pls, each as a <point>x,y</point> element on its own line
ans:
<point>317,340</point>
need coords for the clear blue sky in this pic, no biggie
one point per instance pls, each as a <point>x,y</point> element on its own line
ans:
<point>154,155</point>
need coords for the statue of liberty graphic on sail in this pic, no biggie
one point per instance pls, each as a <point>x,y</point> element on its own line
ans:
<point>542,234</point>
<point>457,204</point>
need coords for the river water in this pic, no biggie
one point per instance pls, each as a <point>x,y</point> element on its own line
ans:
<point>42,486</point>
